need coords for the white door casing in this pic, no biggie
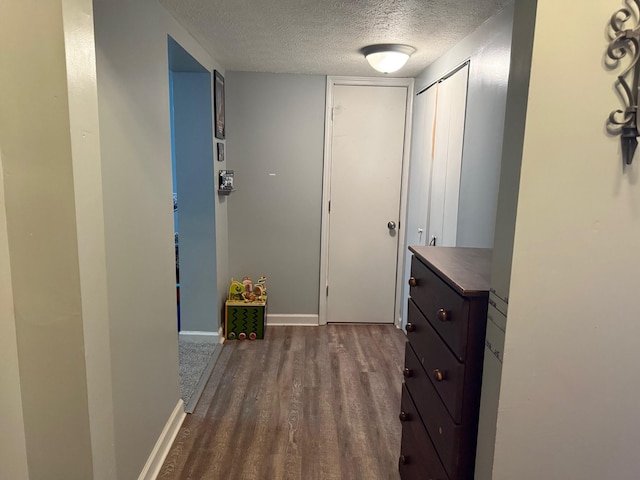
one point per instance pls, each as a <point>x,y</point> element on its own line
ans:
<point>366,157</point>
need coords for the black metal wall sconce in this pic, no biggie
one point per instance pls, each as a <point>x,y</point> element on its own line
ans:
<point>626,41</point>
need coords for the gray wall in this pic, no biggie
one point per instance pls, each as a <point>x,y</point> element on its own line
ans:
<point>515,115</point>
<point>275,141</point>
<point>89,349</point>
<point>489,49</point>
<point>133,88</point>
<point>92,355</point>
<point>193,137</point>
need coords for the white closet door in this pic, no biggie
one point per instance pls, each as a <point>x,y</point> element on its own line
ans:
<point>439,166</point>
<point>423,152</point>
<point>450,112</point>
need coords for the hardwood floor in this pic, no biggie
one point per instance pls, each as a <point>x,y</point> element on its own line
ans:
<point>305,403</point>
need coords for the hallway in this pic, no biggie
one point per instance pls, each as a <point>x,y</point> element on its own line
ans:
<point>305,403</point>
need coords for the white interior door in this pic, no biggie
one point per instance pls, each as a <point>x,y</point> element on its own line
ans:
<point>447,134</point>
<point>367,147</point>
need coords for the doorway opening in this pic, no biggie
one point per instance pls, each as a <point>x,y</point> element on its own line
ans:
<point>194,218</point>
<point>368,124</point>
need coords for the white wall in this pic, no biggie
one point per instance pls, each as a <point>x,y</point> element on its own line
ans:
<point>275,142</point>
<point>570,385</point>
<point>133,96</point>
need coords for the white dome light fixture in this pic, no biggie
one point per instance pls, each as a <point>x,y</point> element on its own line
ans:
<point>387,57</point>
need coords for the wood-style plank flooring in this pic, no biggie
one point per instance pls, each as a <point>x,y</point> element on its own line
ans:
<point>305,403</point>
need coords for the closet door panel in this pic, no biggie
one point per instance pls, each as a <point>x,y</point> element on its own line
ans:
<point>439,166</point>
<point>457,99</point>
<point>447,136</point>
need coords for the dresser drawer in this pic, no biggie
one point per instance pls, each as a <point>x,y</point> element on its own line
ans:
<point>418,459</point>
<point>447,311</point>
<point>442,430</point>
<point>443,369</point>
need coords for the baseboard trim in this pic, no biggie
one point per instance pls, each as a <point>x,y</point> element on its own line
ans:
<point>292,319</point>
<point>163,445</point>
<point>197,336</point>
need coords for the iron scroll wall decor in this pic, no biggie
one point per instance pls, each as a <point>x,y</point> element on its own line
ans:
<point>626,41</point>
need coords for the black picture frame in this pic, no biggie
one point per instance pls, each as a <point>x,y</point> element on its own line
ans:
<point>220,147</point>
<point>218,96</point>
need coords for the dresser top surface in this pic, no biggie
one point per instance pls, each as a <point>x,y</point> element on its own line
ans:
<point>466,270</point>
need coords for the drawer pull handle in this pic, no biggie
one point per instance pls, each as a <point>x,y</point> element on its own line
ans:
<point>442,315</point>
<point>403,460</point>
<point>411,327</point>
<point>413,282</point>
<point>404,416</point>
<point>407,372</point>
<point>438,375</point>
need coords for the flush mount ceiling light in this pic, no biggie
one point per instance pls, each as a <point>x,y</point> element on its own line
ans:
<point>387,57</point>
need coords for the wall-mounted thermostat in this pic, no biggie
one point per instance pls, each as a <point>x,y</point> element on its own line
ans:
<point>225,182</point>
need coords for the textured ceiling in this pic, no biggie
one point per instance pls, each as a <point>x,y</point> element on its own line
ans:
<point>325,36</point>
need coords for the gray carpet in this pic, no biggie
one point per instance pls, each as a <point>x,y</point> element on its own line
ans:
<point>197,359</point>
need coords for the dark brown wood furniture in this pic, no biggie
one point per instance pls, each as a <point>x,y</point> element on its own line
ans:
<point>447,315</point>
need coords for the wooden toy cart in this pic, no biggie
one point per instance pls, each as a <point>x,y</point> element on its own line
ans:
<point>245,320</point>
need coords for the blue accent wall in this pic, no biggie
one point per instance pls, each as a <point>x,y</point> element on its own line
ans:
<point>195,186</point>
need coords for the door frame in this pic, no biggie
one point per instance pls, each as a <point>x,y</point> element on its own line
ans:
<point>333,81</point>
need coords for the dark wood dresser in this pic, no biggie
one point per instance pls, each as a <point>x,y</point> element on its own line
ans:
<point>447,316</point>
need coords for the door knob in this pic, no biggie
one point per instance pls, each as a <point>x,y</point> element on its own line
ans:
<point>391,225</point>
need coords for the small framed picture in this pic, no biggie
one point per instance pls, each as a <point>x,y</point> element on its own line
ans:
<point>218,95</point>
<point>220,147</point>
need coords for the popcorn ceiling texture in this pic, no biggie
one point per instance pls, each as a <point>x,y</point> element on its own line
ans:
<point>325,36</point>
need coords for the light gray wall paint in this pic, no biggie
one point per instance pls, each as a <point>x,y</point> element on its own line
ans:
<point>484,124</point>
<point>570,382</point>
<point>489,49</point>
<point>512,146</point>
<point>133,95</point>
<point>516,107</point>
<point>193,137</point>
<point>275,141</point>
